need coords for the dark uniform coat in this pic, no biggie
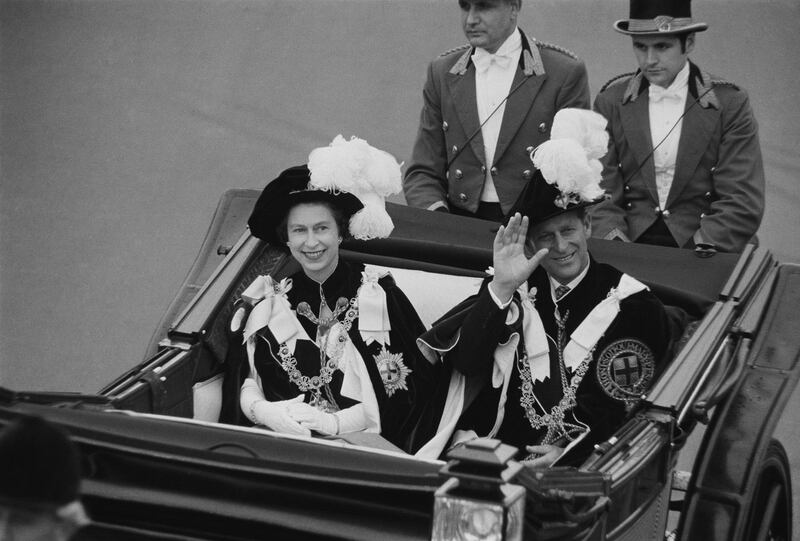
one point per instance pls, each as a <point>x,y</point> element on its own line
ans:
<point>717,195</point>
<point>399,407</point>
<point>549,79</point>
<point>641,329</point>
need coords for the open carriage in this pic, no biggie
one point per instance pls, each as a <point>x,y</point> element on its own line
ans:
<point>159,464</point>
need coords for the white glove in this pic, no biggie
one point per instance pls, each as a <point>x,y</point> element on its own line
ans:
<point>542,456</point>
<point>352,419</point>
<point>311,418</point>
<point>275,415</point>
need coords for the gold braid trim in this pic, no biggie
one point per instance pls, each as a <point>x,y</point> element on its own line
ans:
<point>455,50</point>
<point>617,80</point>
<point>554,47</point>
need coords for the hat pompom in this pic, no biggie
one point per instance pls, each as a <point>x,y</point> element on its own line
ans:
<point>371,222</point>
<point>586,127</point>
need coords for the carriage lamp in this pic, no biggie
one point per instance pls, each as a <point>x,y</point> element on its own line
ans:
<point>477,502</point>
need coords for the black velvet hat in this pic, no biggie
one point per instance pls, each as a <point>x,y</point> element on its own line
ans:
<point>283,193</point>
<point>659,17</point>
<point>540,201</point>
<point>350,174</point>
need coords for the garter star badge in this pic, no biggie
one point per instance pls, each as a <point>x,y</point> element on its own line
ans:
<point>625,369</point>
<point>393,371</point>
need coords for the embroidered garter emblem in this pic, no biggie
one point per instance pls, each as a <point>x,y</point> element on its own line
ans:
<point>393,371</point>
<point>625,369</point>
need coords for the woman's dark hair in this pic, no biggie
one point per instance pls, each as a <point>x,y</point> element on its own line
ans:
<point>342,221</point>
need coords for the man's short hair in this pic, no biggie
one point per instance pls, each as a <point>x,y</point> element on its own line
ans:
<point>683,38</point>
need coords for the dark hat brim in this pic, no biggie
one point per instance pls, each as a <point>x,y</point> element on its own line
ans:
<point>540,219</point>
<point>623,27</point>
<point>285,192</point>
<point>538,198</point>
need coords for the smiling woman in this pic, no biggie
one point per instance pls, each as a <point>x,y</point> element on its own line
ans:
<point>314,238</point>
<point>331,349</point>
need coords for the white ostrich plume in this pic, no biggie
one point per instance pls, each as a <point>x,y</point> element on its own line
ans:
<point>368,173</point>
<point>571,158</point>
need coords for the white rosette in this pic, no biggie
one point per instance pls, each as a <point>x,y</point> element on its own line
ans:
<point>272,309</point>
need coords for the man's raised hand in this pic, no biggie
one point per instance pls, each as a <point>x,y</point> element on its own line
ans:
<point>511,266</point>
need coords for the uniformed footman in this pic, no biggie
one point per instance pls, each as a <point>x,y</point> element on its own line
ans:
<point>486,106</point>
<point>684,165</point>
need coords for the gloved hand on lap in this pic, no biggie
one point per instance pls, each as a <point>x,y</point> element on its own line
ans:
<point>275,415</point>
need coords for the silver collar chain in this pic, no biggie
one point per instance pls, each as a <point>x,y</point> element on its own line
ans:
<point>554,420</point>
<point>328,363</point>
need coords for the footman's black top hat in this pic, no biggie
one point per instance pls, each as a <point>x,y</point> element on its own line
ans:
<point>659,17</point>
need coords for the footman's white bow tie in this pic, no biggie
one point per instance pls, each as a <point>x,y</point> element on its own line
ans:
<point>658,94</point>
<point>483,59</point>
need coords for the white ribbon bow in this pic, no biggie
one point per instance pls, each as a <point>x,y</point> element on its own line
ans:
<point>272,309</point>
<point>658,93</point>
<point>483,59</point>
<point>536,343</point>
<point>373,314</point>
<point>356,383</point>
<point>591,329</point>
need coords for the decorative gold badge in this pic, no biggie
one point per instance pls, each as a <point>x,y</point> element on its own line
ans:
<point>625,369</point>
<point>663,23</point>
<point>393,371</point>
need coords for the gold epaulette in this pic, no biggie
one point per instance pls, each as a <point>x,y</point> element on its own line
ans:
<point>706,83</point>
<point>722,82</point>
<point>455,50</point>
<point>545,45</point>
<point>616,80</point>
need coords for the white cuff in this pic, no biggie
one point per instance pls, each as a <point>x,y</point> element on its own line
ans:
<point>352,419</point>
<point>500,304</point>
